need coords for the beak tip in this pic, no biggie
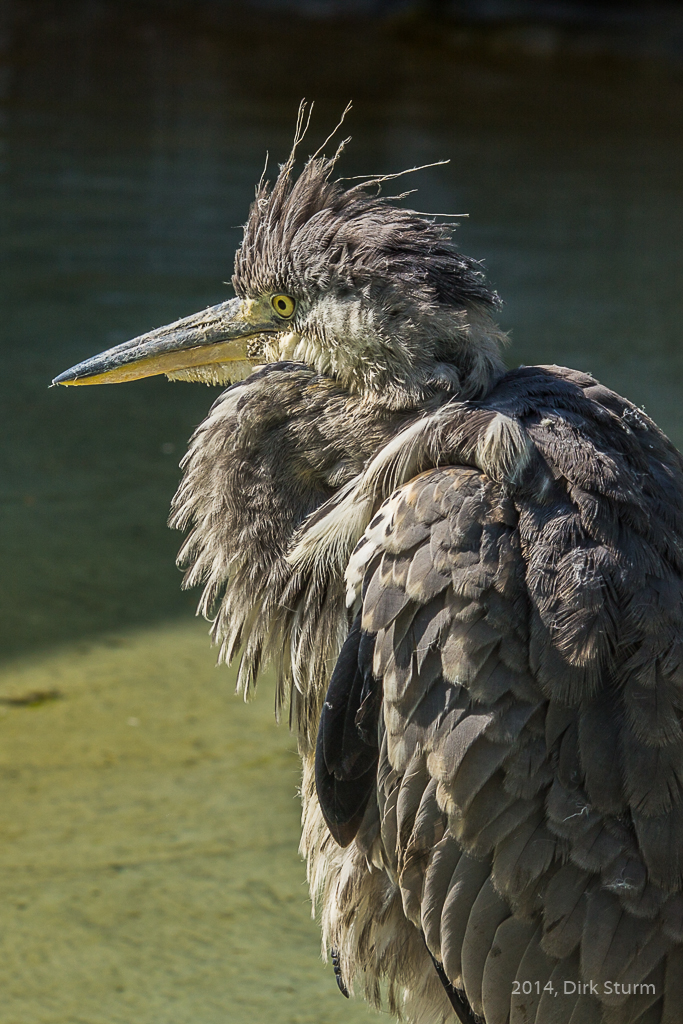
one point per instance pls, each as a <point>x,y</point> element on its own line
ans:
<point>68,377</point>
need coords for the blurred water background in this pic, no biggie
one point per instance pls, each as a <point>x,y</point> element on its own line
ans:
<point>148,819</point>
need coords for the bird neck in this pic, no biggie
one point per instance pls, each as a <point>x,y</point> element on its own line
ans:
<point>456,353</point>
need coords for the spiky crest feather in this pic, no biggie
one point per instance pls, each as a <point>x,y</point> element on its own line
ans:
<point>309,233</point>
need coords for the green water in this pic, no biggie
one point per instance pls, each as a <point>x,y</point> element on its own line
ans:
<point>148,819</point>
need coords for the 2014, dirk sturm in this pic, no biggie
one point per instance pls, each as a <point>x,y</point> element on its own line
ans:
<point>570,988</point>
<point>470,581</point>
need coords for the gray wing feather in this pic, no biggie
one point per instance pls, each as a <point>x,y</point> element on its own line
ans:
<point>488,912</point>
<point>468,878</point>
<point>672,918</point>
<point>522,858</point>
<point>413,784</point>
<point>586,1011</point>
<point>388,789</point>
<point>502,963</point>
<point>557,1004</point>
<point>564,910</point>
<point>644,1007</point>
<point>535,969</point>
<point>673,987</point>
<point>490,818</point>
<point>428,830</point>
<point>442,864</point>
<point>529,641</point>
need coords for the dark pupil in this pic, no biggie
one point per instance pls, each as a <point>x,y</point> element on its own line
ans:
<point>281,304</point>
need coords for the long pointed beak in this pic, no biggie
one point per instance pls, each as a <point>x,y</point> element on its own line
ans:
<point>218,334</point>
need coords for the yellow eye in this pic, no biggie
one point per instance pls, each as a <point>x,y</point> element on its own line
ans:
<point>283,305</point>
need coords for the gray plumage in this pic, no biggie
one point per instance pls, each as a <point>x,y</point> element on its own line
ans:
<point>509,550</point>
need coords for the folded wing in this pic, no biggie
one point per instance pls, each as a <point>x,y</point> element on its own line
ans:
<point>529,654</point>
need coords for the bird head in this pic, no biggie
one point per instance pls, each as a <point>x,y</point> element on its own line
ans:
<point>343,279</point>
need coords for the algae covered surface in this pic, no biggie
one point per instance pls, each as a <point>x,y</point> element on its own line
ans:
<point>148,844</point>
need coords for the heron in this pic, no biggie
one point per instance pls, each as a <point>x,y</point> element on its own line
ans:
<point>469,581</point>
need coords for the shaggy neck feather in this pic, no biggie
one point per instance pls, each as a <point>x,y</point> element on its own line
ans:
<point>453,351</point>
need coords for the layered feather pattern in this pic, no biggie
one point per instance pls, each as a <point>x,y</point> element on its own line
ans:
<point>529,647</point>
<point>520,583</point>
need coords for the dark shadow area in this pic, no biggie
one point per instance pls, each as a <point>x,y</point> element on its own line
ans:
<point>132,138</point>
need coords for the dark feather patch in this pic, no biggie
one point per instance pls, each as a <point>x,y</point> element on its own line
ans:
<point>347,748</point>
